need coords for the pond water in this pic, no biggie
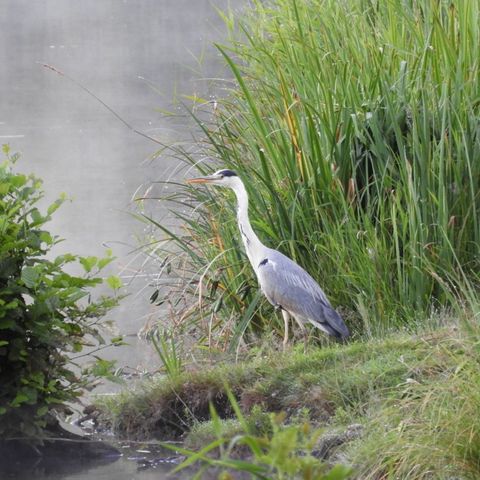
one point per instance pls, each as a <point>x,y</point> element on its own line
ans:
<point>133,463</point>
<point>118,49</point>
<point>135,55</point>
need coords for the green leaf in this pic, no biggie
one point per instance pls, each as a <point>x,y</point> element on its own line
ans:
<point>42,411</point>
<point>19,399</point>
<point>117,341</point>
<point>103,262</point>
<point>88,263</point>
<point>4,188</point>
<point>37,217</point>
<point>54,206</point>
<point>106,369</point>
<point>114,282</point>
<point>30,277</point>
<point>77,295</point>
<point>154,296</point>
<point>18,180</point>
<point>63,259</point>
<point>8,266</point>
<point>6,323</point>
<point>45,237</point>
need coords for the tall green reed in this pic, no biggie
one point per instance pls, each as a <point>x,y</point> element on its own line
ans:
<point>355,126</point>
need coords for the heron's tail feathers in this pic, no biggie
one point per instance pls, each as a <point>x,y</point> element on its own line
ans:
<point>332,323</point>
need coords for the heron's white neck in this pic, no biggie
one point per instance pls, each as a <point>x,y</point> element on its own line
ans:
<point>254,247</point>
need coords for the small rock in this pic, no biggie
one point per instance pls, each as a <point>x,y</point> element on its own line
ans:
<point>328,443</point>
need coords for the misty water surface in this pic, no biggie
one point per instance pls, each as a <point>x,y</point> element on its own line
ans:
<point>75,144</point>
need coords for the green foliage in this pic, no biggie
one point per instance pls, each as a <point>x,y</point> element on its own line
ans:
<point>166,347</point>
<point>286,453</point>
<point>46,314</point>
<point>355,126</point>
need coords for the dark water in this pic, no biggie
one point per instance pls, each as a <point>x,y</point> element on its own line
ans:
<point>141,462</point>
<point>76,145</point>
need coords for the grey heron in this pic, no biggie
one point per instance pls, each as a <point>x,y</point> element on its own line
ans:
<point>286,285</point>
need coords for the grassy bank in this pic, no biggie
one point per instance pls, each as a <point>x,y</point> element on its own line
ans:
<point>416,398</point>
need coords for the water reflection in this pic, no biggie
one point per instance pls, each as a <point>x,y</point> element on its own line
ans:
<point>121,468</point>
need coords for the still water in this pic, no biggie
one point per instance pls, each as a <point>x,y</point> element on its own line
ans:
<point>145,462</point>
<point>135,55</point>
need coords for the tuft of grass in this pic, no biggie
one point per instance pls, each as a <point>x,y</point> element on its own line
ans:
<point>204,433</point>
<point>431,430</point>
<point>167,349</point>
<point>286,453</point>
<point>355,126</point>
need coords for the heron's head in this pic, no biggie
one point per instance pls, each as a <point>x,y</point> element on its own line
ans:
<point>224,178</point>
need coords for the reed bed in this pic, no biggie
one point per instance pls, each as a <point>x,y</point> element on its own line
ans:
<point>355,125</point>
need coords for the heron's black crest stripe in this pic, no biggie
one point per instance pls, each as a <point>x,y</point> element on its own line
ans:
<point>263,262</point>
<point>227,173</point>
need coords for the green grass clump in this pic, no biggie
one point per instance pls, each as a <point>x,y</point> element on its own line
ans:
<point>167,406</point>
<point>355,126</point>
<point>429,431</point>
<point>287,452</point>
<point>203,433</point>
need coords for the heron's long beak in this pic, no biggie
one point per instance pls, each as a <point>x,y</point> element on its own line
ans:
<point>208,179</point>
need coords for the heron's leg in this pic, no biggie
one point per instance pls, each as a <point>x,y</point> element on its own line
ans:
<point>303,330</point>
<point>286,318</point>
<point>300,324</point>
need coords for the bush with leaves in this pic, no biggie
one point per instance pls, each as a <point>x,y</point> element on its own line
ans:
<point>46,314</point>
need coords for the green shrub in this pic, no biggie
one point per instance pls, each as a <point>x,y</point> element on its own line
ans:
<point>355,127</point>
<point>46,314</point>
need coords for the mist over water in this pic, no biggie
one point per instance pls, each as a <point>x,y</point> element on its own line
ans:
<point>75,144</point>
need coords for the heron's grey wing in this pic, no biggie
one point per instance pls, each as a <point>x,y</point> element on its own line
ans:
<point>289,286</point>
